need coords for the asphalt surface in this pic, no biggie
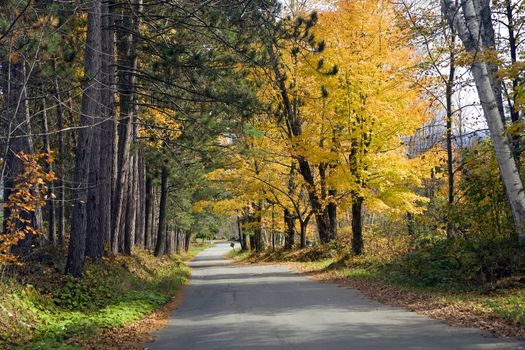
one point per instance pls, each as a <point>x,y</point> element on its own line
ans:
<point>230,306</point>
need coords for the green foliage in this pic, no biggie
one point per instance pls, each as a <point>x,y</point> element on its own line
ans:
<point>49,344</point>
<point>113,293</point>
<point>482,209</point>
<point>511,308</point>
<point>461,263</point>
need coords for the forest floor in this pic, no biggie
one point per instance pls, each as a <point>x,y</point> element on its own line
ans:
<point>116,305</point>
<point>498,309</point>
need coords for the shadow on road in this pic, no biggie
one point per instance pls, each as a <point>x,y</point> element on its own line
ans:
<point>231,306</point>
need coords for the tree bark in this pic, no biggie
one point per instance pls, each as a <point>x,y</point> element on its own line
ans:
<point>89,108</point>
<point>140,237</point>
<point>131,208</point>
<point>187,240</point>
<point>50,202</point>
<point>127,27</point>
<point>327,231</point>
<point>242,238</point>
<point>258,230</point>
<point>303,227</point>
<point>60,162</point>
<point>107,127</point>
<point>154,219</point>
<point>177,241</point>
<point>169,241</point>
<point>512,98</point>
<point>357,225</point>
<point>93,230</point>
<point>252,242</point>
<point>332,215</point>
<point>148,206</point>
<point>161,233</point>
<point>289,222</point>
<point>450,115</point>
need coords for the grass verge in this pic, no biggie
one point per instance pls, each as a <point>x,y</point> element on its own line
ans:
<point>48,310</point>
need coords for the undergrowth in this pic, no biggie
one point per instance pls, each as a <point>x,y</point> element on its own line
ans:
<point>50,310</point>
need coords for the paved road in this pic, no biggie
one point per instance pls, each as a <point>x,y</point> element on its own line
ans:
<point>269,307</point>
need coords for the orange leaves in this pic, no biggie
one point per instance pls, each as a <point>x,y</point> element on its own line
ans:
<point>27,196</point>
<point>14,57</point>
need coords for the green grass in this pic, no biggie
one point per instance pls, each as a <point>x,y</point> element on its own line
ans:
<point>113,293</point>
<point>510,306</point>
<point>238,255</point>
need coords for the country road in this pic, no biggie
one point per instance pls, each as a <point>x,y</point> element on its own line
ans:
<point>230,306</point>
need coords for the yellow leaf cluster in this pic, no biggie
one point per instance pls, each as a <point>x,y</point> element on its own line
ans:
<point>158,126</point>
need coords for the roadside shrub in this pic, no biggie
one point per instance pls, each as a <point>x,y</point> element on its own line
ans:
<point>464,262</point>
<point>41,311</point>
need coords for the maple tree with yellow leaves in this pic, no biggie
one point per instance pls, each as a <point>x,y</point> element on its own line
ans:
<point>354,100</point>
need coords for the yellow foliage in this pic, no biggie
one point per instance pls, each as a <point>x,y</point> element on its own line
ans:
<point>374,102</point>
<point>354,123</point>
<point>159,125</point>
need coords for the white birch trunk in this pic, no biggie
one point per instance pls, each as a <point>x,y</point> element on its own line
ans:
<point>464,16</point>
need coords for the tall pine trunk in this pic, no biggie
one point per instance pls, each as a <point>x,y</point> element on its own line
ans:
<point>130,229</point>
<point>107,126</point>
<point>88,109</point>
<point>60,163</point>
<point>161,232</point>
<point>140,235</point>
<point>127,27</point>
<point>93,197</point>
<point>148,219</point>
<point>50,202</point>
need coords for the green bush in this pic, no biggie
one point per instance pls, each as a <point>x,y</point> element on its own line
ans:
<point>112,293</point>
<point>463,262</point>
